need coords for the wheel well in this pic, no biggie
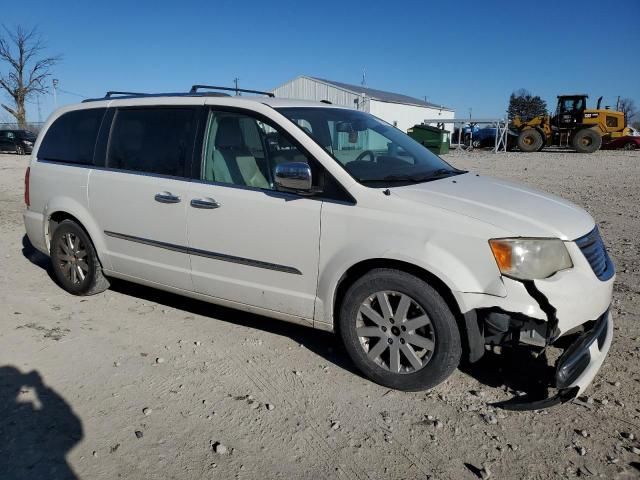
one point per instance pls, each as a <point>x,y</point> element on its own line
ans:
<point>58,217</point>
<point>359,269</point>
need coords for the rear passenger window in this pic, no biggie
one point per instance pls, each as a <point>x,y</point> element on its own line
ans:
<point>72,137</point>
<point>152,140</point>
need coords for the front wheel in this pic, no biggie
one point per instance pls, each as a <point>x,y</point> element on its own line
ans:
<point>530,140</point>
<point>399,331</point>
<point>20,150</point>
<point>75,262</point>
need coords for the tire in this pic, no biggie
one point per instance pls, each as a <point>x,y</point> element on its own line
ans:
<point>530,140</point>
<point>20,150</point>
<point>586,140</point>
<point>69,246</point>
<point>370,336</point>
<point>630,146</point>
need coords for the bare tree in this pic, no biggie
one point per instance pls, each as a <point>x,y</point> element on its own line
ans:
<point>24,68</point>
<point>628,107</point>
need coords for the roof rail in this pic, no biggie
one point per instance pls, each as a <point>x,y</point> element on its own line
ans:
<point>195,88</point>
<point>111,93</point>
<point>122,95</point>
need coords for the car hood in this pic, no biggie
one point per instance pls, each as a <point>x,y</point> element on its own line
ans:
<point>520,210</point>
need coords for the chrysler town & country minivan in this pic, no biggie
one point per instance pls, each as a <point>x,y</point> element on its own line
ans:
<point>320,215</point>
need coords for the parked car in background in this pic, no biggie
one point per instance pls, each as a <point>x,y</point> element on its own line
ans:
<point>481,137</point>
<point>18,141</point>
<point>624,143</point>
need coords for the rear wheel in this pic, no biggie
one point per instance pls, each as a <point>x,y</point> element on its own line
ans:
<point>399,331</point>
<point>530,140</point>
<point>630,146</point>
<point>75,262</point>
<point>586,140</point>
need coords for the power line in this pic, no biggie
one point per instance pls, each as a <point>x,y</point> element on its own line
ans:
<point>71,93</point>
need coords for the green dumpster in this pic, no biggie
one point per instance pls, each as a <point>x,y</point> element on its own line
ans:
<point>433,138</point>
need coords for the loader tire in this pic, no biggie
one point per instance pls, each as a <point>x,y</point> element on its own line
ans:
<point>530,140</point>
<point>586,140</point>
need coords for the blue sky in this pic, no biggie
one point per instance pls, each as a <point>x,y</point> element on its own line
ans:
<point>458,53</point>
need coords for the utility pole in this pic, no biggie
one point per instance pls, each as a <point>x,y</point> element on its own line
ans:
<point>39,110</point>
<point>55,82</point>
<point>235,80</point>
<point>364,78</point>
<point>470,113</point>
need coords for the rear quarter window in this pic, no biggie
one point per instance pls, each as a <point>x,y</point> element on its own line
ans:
<point>72,137</point>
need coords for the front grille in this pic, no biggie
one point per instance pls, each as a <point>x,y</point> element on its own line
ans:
<point>596,254</point>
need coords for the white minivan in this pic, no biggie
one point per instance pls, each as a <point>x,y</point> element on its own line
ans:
<point>325,216</point>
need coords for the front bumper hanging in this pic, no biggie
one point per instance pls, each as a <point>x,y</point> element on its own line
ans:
<point>576,367</point>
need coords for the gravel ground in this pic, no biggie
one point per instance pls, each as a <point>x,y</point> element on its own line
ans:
<point>136,383</point>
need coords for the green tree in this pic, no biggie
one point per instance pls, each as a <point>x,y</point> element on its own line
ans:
<point>23,68</point>
<point>525,105</point>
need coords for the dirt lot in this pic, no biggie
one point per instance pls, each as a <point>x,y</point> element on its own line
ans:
<point>135,383</point>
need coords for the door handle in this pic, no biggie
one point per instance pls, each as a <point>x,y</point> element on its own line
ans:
<point>206,203</point>
<point>167,197</point>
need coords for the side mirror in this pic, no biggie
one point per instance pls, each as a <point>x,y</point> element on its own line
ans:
<point>293,177</point>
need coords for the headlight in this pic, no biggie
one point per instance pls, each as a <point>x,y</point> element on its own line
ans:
<point>530,258</point>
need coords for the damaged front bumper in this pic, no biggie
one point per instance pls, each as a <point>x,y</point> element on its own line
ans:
<point>545,314</point>
<point>575,369</point>
<point>580,362</point>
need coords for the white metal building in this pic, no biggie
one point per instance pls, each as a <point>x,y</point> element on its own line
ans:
<point>400,110</point>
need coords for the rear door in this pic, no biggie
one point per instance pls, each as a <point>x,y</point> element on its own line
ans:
<point>139,199</point>
<point>249,243</point>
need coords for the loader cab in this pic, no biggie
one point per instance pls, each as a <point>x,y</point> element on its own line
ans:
<point>570,110</point>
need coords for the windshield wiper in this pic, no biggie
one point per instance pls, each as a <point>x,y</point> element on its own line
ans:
<point>433,175</point>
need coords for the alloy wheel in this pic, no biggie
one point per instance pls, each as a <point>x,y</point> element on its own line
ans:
<point>395,332</point>
<point>72,257</point>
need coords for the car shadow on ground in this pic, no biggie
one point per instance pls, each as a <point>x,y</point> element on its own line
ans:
<point>324,344</point>
<point>514,370</point>
<point>37,428</point>
<point>37,258</point>
<point>517,371</point>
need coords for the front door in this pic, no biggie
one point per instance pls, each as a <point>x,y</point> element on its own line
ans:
<point>249,243</point>
<point>140,198</point>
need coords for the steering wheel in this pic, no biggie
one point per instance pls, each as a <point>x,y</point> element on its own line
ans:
<point>372,156</point>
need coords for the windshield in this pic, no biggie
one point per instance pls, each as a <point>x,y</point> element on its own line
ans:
<point>373,152</point>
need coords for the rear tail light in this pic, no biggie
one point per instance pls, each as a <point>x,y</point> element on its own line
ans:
<point>26,187</point>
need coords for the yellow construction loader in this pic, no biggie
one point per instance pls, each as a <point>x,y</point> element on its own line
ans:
<point>572,126</point>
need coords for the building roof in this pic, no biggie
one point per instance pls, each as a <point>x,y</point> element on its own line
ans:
<point>380,95</point>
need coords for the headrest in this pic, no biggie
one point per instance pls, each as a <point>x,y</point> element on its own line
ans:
<point>229,134</point>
